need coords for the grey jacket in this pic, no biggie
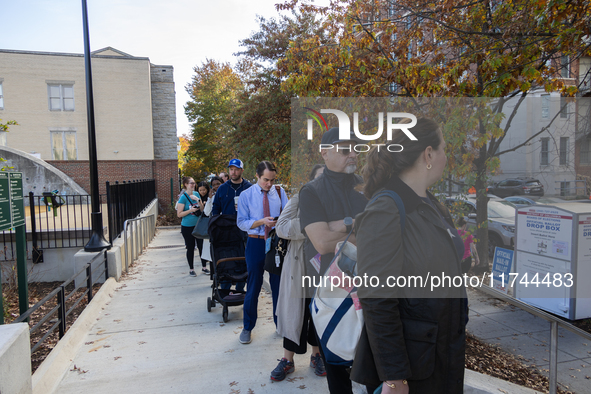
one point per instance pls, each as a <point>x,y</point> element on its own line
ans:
<point>292,298</point>
<point>406,337</point>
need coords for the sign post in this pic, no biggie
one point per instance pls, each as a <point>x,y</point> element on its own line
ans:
<point>12,215</point>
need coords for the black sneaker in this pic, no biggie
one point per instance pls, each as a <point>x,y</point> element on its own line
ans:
<point>317,363</point>
<point>205,271</point>
<point>282,370</point>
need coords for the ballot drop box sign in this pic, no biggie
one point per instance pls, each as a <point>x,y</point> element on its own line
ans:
<point>553,258</point>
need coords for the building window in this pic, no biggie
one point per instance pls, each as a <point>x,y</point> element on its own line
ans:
<point>585,156</point>
<point>1,96</point>
<point>545,106</point>
<point>545,159</point>
<point>61,97</point>
<point>565,67</point>
<point>563,151</point>
<point>63,145</point>
<point>563,107</point>
<point>3,138</point>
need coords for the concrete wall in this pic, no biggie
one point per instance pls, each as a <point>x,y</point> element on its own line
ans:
<point>117,254</point>
<point>122,100</point>
<point>163,112</point>
<point>58,266</point>
<point>15,359</point>
<point>38,176</point>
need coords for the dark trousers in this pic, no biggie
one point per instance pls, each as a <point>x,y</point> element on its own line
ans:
<point>337,377</point>
<point>255,261</point>
<point>466,264</point>
<point>200,247</point>
<point>308,335</point>
<point>190,242</point>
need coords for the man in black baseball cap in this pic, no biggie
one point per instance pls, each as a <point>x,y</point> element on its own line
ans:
<point>332,137</point>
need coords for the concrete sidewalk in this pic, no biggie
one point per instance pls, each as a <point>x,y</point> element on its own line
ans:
<point>154,335</point>
<point>527,337</point>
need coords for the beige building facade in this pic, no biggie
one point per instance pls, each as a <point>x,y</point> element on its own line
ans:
<point>46,94</point>
<point>134,107</point>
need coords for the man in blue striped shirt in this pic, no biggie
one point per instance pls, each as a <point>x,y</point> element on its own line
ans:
<point>258,209</point>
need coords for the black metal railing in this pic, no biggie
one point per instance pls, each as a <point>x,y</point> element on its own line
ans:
<point>59,221</point>
<point>61,311</point>
<point>126,201</point>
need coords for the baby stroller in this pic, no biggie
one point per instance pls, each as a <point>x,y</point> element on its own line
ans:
<point>228,263</point>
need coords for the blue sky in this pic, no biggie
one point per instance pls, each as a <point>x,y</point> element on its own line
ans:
<point>181,33</point>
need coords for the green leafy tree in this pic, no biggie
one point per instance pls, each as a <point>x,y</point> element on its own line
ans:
<point>213,90</point>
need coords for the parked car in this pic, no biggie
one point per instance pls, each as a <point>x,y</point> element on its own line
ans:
<point>501,216</point>
<point>520,201</point>
<point>517,187</point>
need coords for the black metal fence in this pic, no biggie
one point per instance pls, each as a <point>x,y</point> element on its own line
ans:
<point>59,221</point>
<point>63,221</point>
<point>65,302</point>
<point>127,200</point>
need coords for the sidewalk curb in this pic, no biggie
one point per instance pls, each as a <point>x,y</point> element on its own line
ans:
<point>51,371</point>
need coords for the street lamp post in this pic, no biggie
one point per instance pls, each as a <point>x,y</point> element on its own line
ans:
<point>97,240</point>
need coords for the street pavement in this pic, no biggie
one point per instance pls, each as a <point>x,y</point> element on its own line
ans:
<point>527,337</point>
<point>155,335</point>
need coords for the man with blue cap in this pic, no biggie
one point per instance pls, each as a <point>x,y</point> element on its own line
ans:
<point>226,198</point>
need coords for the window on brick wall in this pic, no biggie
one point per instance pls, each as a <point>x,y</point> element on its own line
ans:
<point>545,105</point>
<point>565,67</point>
<point>1,96</point>
<point>545,158</point>
<point>563,151</point>
<point>61,96</point>
<point>63,145</point>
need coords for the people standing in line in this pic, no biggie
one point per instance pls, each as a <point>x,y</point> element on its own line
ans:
<point>410,342</point>
<point>469,247</point>
<point>328,205</point>
<point>225,202</point>
<point>203,194</point>
<point>215,184</point>
<point>258,209</point>
<point>186,208</point>
<point>294,322</point>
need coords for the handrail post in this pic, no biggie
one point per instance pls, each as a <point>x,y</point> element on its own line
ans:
<point>125,244</point>
<point>37,254</point>
<point>106,267</point>
<point>89,281</point>
<point>553,357</point>
<point>110,223</point>
<point>61,300</point>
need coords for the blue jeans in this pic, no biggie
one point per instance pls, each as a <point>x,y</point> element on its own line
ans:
<point>255,261</point>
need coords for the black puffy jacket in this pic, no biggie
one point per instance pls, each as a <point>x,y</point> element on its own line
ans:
<point>406,335</point>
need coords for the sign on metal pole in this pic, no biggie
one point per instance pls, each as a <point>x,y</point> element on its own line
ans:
<point>17,200</point>
<point>12,215</point>
<point>5,216</point>
<point>12,203</point>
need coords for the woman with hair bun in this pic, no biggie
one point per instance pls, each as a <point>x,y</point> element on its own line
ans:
<point>413,340</point>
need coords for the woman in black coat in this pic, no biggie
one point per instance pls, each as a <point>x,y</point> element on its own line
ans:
<point>414,336</point>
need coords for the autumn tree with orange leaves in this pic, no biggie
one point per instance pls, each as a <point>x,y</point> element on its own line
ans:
<point>449,48</point>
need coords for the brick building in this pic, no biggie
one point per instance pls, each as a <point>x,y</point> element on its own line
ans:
<point>135,115</point>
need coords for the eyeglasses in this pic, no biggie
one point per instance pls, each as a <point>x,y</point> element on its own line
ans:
<point>345,151</point>
<point>191,183</point>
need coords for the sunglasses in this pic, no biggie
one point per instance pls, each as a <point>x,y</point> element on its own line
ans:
<point>191,183</point>
<point>347,151</point>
